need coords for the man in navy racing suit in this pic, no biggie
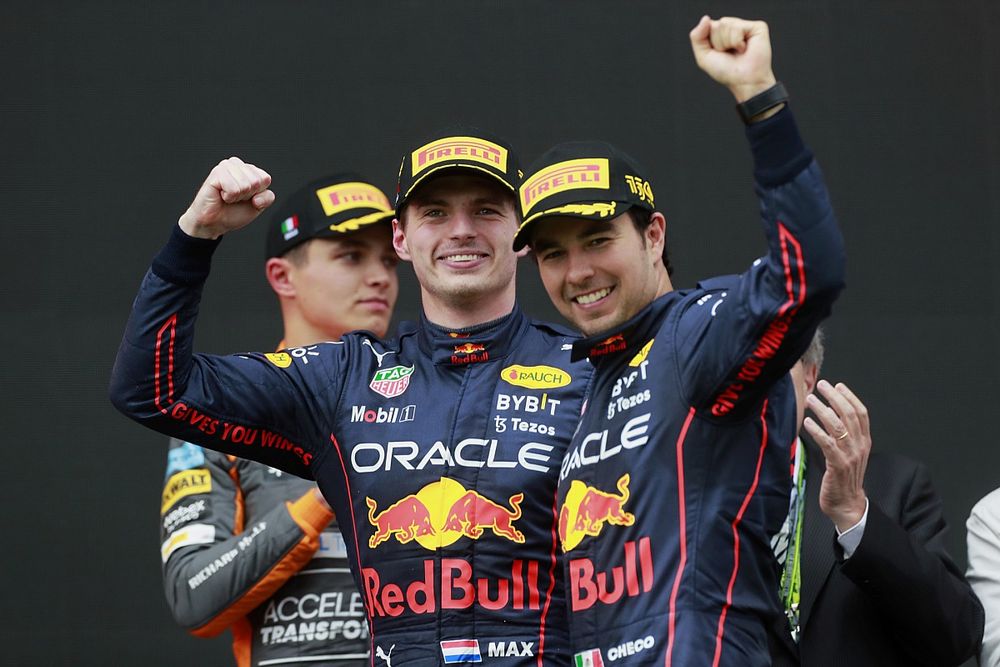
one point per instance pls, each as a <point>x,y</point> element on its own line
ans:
<point>245,546</point>
<point>678,476</point>
<point>439,451</point>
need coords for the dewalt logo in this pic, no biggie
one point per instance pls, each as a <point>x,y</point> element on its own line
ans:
<point>185,483</point>
<point>535,377</point>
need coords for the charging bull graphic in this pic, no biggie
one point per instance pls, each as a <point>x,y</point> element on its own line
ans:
<point>472,513</point>
<point>442,513</point>
<point>406,519</point>
<point>586,509</point>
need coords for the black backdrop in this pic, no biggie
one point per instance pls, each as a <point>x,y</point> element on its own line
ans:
<point>111,114</point>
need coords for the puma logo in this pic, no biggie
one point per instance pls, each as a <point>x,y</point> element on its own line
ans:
<point>379,653</point>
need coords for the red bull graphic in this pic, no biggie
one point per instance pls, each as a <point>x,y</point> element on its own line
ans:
<point>391,382</point>
<point>586,509</point>
<point>472,513</point>
<point>441,513</point>
<point>632,578</point>
<point>609,345</point>
<point>406,519</point>
<point>470,353</point>
<point>458,589</point>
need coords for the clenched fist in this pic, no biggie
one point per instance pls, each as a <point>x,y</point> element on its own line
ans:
<point>736,53</point>
<point>234,193</point>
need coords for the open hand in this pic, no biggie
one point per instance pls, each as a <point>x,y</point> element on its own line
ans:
<point>843,434</point>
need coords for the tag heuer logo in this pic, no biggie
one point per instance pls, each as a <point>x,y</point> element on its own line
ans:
<point>391,382</point>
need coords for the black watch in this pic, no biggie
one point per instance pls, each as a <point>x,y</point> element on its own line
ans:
<point>762,101</point>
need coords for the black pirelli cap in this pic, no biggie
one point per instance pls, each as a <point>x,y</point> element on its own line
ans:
<point>327,207</point>
<point>457,148</point>
<point>582,179</point>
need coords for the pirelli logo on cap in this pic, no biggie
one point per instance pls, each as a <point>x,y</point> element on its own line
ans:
<point>346,196</point>
<point>584,173</point>
<point>459,148</point>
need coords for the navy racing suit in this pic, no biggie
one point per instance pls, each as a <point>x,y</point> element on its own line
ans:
<point>439,453</point>
<point>679,474</point>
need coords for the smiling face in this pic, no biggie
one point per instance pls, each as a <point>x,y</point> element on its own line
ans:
<point>333,285</point>
<point>458,229</point>
<point>597,273</point>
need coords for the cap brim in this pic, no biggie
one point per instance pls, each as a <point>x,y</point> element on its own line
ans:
<point>458,166</point>
<point>357,223</point>
<point>584,210</point>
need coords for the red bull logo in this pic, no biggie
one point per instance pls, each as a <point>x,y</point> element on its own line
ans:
<point>406,519</point>
<point>609,345</point>
<point>562,176</point>
<point>586,509</point>
<point>470,353</point>
<point>632,578</point>
<point>471,513</point>
<point>346,196</point>
<point>458,589</point>
<point>459,148</point>
<point>441,513</point>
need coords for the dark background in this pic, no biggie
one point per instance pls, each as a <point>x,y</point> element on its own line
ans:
<point>112,113</point>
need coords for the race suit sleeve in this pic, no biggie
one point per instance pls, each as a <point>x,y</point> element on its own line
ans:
<point>750,329</point>
<point>216,569</point>
<point>267,407</point>
<point>984,570</point>
<point>906,572</point>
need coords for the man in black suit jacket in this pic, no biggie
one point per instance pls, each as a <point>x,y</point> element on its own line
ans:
<point>877,585</point>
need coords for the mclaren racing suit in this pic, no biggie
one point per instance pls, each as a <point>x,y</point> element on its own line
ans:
<point>439,453</point>
<point>678,476</point>
<point>249,548</point>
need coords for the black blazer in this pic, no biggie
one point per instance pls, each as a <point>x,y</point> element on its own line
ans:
<point>900,599</point>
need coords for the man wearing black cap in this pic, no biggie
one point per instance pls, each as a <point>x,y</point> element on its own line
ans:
<point>285,590</point>
<point>679,473</point>
<point>439,451</point>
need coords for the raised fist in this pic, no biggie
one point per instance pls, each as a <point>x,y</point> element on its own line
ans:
<point>736,53</point>
<point>234,193</point>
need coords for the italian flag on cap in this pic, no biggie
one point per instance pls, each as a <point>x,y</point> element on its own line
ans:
<point>290,227</point>
<point>591,658</point>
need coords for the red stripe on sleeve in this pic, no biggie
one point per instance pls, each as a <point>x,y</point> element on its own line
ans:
<point>169,328</point>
